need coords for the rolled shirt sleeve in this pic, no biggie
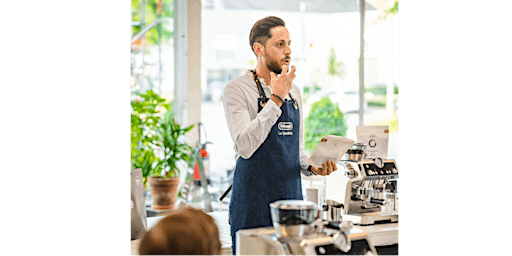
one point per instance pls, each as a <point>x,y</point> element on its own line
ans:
<point>247,134</point>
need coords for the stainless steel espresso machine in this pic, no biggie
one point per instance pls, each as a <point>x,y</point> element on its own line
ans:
<point>367,188</point>
<point>297,231</point>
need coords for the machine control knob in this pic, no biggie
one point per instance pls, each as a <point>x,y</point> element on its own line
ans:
<point>351,174</point>
<point>342,242</point>
<point>394,170</point>
<point>378,162</point>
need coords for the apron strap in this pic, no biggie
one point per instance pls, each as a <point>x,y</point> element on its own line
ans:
<point>263,96</point>
<point>229,189</point>
<point>226,193</point>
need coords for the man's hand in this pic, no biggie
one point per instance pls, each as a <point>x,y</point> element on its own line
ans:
<point>281,86</point>
<point>327,168</point>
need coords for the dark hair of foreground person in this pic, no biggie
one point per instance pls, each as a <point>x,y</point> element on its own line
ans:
<point>183,232</point>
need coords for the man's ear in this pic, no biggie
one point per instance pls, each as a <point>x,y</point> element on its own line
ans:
<point>258,49</point>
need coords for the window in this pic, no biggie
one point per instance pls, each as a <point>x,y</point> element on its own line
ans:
<point>381,75</point>
<point>152,68</point>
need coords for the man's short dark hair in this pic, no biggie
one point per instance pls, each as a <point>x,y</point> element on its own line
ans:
<point>260,32</point>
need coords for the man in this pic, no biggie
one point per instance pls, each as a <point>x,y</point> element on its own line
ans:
<point>264,116</point>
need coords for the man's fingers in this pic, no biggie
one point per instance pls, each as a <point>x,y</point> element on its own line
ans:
<point>285,70</point>
<point>273,77</point>
<point>292,71</point>
<point>320,171</point>
<point>327,168</point>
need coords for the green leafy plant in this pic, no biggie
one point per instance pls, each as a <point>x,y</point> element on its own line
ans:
<point>391,11</point>
<point>145,117</point>
<point>307,89</point>
<point>324,119</point>
<point>333,67</point>
<point>378,98</point>
<point>174,150</point>
<point>307,92</point>
<point>151,14</point>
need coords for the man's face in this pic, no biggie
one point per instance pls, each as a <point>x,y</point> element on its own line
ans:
<point>277,50</point>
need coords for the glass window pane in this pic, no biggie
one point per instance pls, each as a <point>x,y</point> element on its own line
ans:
<point>151,68</point>
<point>381,74</point>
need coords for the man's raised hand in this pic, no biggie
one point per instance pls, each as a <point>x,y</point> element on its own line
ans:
<point>282,84</point>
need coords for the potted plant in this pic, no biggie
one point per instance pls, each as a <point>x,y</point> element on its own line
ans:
<point>145,117</point>
<point>165,177</point>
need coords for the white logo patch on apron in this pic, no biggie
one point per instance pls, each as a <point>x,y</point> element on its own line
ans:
<point>285,126</point>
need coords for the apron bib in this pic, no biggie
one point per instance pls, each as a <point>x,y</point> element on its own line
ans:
<point>272,173</point>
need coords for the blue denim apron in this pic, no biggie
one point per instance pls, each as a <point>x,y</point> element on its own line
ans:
<point>272,173</point>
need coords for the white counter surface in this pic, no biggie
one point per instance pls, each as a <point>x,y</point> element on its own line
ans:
<point>381,234</point>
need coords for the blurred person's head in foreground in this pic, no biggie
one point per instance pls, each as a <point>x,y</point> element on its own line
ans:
<point>184,231</point>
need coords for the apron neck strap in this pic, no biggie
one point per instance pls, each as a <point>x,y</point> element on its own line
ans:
<point>262,92</point>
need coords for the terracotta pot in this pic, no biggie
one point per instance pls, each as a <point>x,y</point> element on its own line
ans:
<point>164,192</point>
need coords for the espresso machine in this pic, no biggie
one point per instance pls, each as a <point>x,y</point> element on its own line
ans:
<point>297,230</point>
<point>367,188</point>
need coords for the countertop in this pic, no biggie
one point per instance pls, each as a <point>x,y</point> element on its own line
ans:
<point>381,234</point>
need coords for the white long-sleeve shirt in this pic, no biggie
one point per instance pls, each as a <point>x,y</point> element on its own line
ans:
<point>248,128</point>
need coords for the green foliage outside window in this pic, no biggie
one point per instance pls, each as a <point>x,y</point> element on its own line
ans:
<point>379,96</point>
<point>307,89</point>
<point>325,118</point>
<point>333,66</point>
<point>151,15</point>
<point>391,11</point>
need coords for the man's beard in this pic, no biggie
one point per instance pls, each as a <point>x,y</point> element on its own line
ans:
<point>273,65</point>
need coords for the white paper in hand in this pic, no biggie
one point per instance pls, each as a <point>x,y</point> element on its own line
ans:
<point>332,148</point>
